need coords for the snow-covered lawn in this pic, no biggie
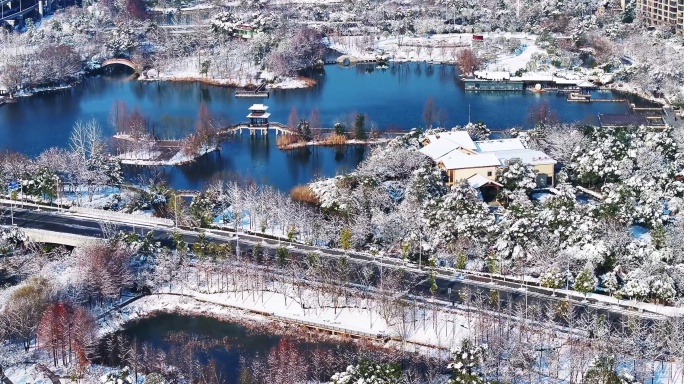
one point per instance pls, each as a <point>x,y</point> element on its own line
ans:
<point>150,158</point>
<point>439,48</point>
<point>451,327</point>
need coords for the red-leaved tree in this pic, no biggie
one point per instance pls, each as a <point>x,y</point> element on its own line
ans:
<point>67,332</point>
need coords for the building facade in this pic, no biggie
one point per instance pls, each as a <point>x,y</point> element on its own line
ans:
<point>663,13</point>
<point>477,162</point>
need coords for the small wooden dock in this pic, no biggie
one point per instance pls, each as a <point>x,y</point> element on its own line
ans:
<point>260,93</point>
<point>251,94</point>
<point>589,100</point>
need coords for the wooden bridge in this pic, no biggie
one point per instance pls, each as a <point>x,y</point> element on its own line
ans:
<point>135,67</point>
<point>261,92</point>
<point>281,129</point>
<point>253,129</point>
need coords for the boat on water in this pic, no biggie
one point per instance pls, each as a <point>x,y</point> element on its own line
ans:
<point>575,96</point>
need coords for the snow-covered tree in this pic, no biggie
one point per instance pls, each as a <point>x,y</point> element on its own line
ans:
<point>585,282</point>
<point>368,372</point>
<point>458,214</point>
<point>516,175</point>
<point>466,364</point>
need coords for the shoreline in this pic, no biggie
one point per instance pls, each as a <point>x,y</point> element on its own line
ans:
<point>191,305</point>
<point>151,163</point>
<point>323,143</point>
<point>299,82</point>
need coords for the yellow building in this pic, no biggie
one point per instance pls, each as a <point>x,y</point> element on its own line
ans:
<point>478,162</point>
<point>667,13</point>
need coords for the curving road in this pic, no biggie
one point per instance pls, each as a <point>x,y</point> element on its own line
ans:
<point>449,282</point>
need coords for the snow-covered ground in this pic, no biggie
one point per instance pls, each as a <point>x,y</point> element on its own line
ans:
<point>438,48</point>
<point>153,157</point>
<point>451,328</point>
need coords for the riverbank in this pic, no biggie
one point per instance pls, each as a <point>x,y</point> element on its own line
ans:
<point>258,321</point>
<point>329,143</point>
<point>163,157</point>
<point>299,82</point>
<point>362,321</point>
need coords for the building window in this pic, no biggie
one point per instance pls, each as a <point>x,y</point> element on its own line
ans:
<point>489,173</point>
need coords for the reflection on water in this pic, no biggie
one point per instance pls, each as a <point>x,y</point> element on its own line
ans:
<point>391,98</point>
<point>201,347</point>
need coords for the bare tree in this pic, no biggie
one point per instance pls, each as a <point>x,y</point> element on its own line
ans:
<point>467,61</point>
<point>22,312</point>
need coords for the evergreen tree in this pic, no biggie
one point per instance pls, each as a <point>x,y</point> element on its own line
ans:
<point>465,367</point>
<point>282,256</point>
<point>368,372</point>
<point>360,127</point>
<point>304,130</point>
<point>345,239</point>
<point>585,281</point>
<point>629,13</point>
<point>432,282</point>
<point>340,129</point>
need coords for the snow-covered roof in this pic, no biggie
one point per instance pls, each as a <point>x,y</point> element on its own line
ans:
<point>566,81</point>
<point>528,156</point>
<point>586,84</point>
<point>534,78</point>
<point>259,114</point>
<point>258,107</point>
<point>476,181</point>
<point>492,75</point>
<point>438,147</point>
<point>499,145</point>
<point>461,138</point>
<point>460,160</point>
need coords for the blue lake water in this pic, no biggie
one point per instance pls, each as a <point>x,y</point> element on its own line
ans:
<point>391,98</point>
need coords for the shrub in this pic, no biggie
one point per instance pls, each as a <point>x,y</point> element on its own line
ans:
<point>335,139</point>
<point>304,194</point>
<point>286,141</point>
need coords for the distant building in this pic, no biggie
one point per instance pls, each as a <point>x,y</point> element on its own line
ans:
<point>477,162</point>
<point>667,13</point>
<point>258,117</point>
<point>245,31</point>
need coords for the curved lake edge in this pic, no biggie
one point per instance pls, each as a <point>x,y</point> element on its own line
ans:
<point>254,320</point>
<point>307,82</point>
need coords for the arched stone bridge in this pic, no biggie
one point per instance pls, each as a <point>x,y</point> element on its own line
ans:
<point>137,68</point>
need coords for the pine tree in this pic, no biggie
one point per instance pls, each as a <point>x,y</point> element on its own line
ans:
<point>432,282</point>
<point>340,129</point>
<point>345,239</point>
<point>282,256</point>
<point>304,130</point>
<point>360,127</point>
<point>586,281</point>
<point>465,366</point>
